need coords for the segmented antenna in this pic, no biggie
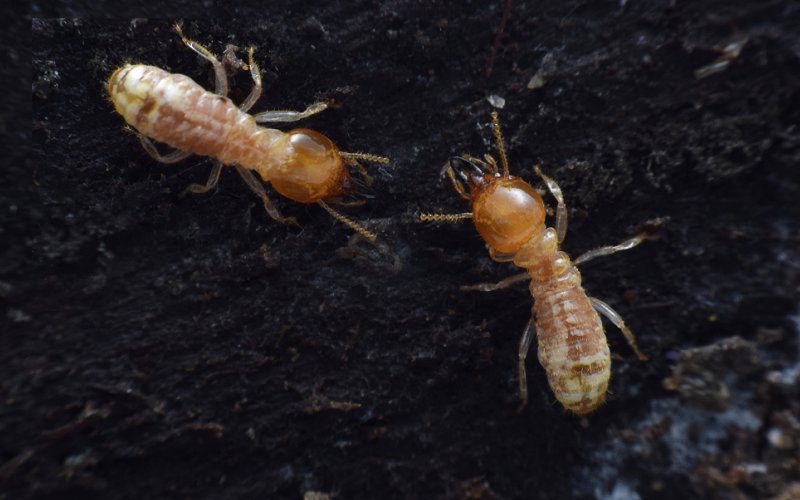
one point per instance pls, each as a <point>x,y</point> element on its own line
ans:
<point>364,156</point>
<point>444,217</point>
<point>347,221</point>
<point>501,148</point>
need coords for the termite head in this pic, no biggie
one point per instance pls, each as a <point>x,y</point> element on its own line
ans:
<point>312,169</point>
<point>506,210</point>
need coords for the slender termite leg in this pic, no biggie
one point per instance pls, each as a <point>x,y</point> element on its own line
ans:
<point>255,186</point>
<point>286,116</point>
<point>339,201</point>
<point>347,221</point>
<point>615,318</point>
<point>611,249</point>
<point>255,73</point>
<point>445,217</point>
<point>561,207</point>
<point>490,287</point>
<point>173,157</point>
<point>524,347</point>
<point>210,184</point>
<point>220,77</point>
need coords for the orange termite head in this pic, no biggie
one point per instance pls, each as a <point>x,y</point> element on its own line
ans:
<point>506,210</point>
<point>312,169</point>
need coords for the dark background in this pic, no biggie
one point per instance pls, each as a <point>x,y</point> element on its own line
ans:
<point>194,348</point>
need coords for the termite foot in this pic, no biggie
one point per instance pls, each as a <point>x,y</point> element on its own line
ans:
<point>231,61</point>
<point>651,229</point>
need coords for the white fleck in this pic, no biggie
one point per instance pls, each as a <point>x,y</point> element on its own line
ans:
<point>18,316</point>
<point>779,439</point>
<point>496,101</point>
<point>755,468</point>
<point>621,491</point>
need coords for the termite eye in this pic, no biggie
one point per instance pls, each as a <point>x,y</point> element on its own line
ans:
<point>507,214</point>
<point>313,168</point>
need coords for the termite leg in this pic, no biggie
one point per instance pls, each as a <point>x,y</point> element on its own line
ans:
<point>290,116</point>
<point>611,249</point>
<point>255,185</point>
<point>255,73</point>
<point>220,77</point>
<point>210,184</point>
<point>491,287</point>
<point>615,318</point>
<point>561,208</point>
<point>524,347</point>
<point>337,200</point>
<point>173,157</point>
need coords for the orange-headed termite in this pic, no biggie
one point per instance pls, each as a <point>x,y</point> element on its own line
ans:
<point>302,165</point>
<point>510,216</point>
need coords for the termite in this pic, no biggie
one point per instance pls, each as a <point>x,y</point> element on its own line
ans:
<point>302,165</point>
<point>509,214</point>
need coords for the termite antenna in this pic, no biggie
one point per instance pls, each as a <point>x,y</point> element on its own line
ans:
<point>347,221</point>
<point>445,217</point>
<point>501,148</point>
<point>363,156</point>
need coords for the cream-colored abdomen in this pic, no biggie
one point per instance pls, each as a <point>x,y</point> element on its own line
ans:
<point>572,344</point>
<point>572,348</point>
<point>174,109</point>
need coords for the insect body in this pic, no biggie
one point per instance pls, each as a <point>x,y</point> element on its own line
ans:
<point>510,216</point>
<point>302,165</point>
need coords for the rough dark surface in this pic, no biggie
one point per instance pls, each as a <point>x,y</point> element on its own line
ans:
<point>154,347</point>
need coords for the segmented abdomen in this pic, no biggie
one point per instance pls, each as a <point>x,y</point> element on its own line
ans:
<point>572,344</point>
<point>173,109</point>
<point>572,348</point>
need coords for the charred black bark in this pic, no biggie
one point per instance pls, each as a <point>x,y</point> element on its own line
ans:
<point>157,347</point>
